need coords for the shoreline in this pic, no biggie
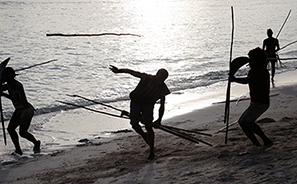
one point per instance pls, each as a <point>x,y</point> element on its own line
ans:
<point>122,159</point>
<point>237,91</point>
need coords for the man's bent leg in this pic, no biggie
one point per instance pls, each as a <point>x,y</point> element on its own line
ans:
<point>135,110</point>
<point>25,119</point>
<point>257,130</point>
<point>139,130</point>
<point>272,69</point>
<point>24,126</point>
<point>248,118</point>
<point>13,124</point>
<point>248,132</point>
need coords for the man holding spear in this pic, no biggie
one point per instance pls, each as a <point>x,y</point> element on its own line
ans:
<point>150,89</point>
<point>23,113</point>
<point>271,46</point>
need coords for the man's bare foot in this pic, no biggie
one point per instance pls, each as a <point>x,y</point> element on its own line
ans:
<point>36,148</point>
<point>156,125</point>
<point>17,152</point>
<point>267,145</point>
<point>151,156</point>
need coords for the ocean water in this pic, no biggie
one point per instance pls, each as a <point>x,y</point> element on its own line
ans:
<point>190,38</point>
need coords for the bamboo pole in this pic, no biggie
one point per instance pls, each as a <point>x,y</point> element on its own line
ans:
<point>84,107</point>
<point>283,25</point>
<point>46,62</point>
<point>288,45</point>
<point>112,107</point>
<point>190,131</point>
<point>227,105</point>
<point>241,99</point>
<point>182,135</point>
<point>2,66</point>
<point>281,58</point>
<point>169,129</point>
<point>223,128</point>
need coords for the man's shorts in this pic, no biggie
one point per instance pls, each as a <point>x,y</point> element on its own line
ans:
<point>253,112</point>
<point>145,112</point>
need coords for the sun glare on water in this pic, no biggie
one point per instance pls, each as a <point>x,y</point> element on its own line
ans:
<point>156,21</point>
<point>153,12</point>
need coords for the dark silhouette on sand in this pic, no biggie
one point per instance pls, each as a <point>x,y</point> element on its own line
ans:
<point>23,113</point>
<point>150,89</point>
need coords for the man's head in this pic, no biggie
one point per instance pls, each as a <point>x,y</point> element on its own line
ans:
<point>8,74</point>
<point>269,33</point>
<point>258,57</point>
<point>161,76</point>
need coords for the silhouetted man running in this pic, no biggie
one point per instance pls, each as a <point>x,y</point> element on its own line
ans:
<point>23,113</point>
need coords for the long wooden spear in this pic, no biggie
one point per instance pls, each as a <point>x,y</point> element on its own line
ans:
<point>185,130</point>
<point>227,105</point>
<point>283,25</point>
<point>272,48</point>
<point>124,114</point>
<point>281,58</point>
<point>2,66</point>
<point>81,106</point>
<point>46,62</point>
<point>288,45</point>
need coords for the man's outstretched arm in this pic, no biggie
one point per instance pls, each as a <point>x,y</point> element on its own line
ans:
<point>125,70</point>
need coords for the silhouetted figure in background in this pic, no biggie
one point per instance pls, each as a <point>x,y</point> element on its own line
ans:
<point>271,46</point>
<point>23,113</point>
<point>259,86</point>
<point>143,98</point>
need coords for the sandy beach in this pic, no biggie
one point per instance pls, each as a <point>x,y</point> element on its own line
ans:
<point>123,159</point>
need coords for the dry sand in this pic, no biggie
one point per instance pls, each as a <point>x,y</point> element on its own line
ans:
<point>123,159</point>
